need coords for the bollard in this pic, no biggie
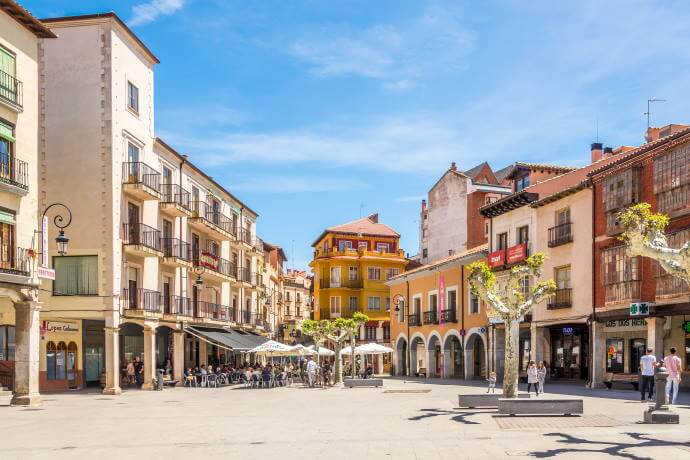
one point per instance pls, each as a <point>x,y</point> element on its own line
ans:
<point>660,412</point>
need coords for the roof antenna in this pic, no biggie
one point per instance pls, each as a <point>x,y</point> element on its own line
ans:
<point>649,101</point>
<point>361,208</point>
<point>597,129</point>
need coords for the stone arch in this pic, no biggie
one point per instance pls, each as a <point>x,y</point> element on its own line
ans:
<point>434,349</point>
<point>417,356</point>
<point>400,355</point>
<point>453,355</point>
<point>476,353</point>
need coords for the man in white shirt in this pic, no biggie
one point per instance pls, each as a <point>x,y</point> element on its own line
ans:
<point>311,372</point>
<point>647,367</point>
<point>673,367</point>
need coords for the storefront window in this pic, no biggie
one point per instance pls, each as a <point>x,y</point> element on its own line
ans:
<point>614,355</point>
<point>687,354</point>
<point>7,343</point>
<point>56,360</point>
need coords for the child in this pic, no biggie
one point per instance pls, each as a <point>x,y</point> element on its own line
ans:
<point>492,382</point>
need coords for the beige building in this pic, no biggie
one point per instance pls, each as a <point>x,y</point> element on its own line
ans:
<point>164,262</point>
<point>19,124</point>
<point>297,303</point>
<point>275,258</point>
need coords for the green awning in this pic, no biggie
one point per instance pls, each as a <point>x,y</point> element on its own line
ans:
<point>7,218</point>
<point>6,132</point>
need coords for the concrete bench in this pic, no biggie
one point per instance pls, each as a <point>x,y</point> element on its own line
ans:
<point>351,383</point>
<point>632,379</point>
<point>483,400</point>
<point>540,406</point>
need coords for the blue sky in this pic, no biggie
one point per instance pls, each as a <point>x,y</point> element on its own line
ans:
<point>309,109</point>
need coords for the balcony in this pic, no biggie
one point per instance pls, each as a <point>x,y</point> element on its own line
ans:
<point>142,302</point>
<point>560,234</point>
<point>175,201</point>
<point>449,316</point>
<point>351,252</point>
<point>15,266</point>
<point>561,299</point>
<point>205,218</point>
<point>176,252</point>
<point>668,286</point>
<point>177,305</point>
<point>11,93</point>
<point>212,311</point>
<point>326,283</point>
<point>258,245</point>
<point>257,280</point>
<point>431,317</point>
<point>14,175</point>
<point>414,320</point>
<point>215,266</point>
<point>244,236</point>
<point>141,181</point>
<point>245,275</point>
<point>622,292</point>
<point>141,240</point>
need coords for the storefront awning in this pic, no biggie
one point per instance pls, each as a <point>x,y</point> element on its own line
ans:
<point>234,339</point>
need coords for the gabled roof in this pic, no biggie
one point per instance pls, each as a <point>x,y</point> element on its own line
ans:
<point>501,174</point>
<point>270,247</point>
<point>26,19</point>
<point>521,165</point>
<point>368,226</point>
<point>464,257</point>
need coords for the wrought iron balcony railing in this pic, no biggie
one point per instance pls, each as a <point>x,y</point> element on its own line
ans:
<point>560,234</point>
<point>11,89</point>
<point>563,298</point>
<point>173,193</point>
<point>136,172</point>
<point>142,299</point>
<point>141,234</point>
<point>14,171</point>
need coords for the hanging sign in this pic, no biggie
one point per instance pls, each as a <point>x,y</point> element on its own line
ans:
<point>517,253</point>
<point>45,273</point>
<point>640,308</point>
<point>686,327</point>
<point>497,258</point>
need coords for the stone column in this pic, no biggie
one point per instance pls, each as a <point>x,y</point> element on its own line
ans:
<point>203,353</point>
<point>446,363</point>
<point>655,336</point>
<point>26,362</point>
<point>178,355</point>
<point>112,361</point>
<point>533,340</point>
<point>598,355</point>
<point>149,358</point>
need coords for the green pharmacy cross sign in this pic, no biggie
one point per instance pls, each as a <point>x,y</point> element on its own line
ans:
<point>639,309</point>
<point>686,327</point>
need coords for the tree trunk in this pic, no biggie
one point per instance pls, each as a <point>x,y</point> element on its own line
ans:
<point>338,374</point>
<point>512,355</point>
<point>353,371</point>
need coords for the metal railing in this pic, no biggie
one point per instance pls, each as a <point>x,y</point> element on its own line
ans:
<point>141,234</point>
<point>209,260</point>
<point>562,298</point>
<point>245,235</point>
<point>178,305</point>
<point>210,310</point>
<point>414,320</point>
<point>326,283</point>
<point>204,210</point>
<point>173,193</point>
<point>431,317</point>
<point>136,172</point>
<point>560,234</point>
<point>17,262</point>
<point>449,316</point>
<point>257,279</point>
<point>11,89</point>
<point>245,274</point>
<point>142,299</point>
<point>175,247</point>
<point>14,171</point>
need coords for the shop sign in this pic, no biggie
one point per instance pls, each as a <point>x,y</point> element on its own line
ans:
<point>497,258</point>
<point>627,324</point>
<point>60,326</point>
<point>568,330</point>
<point>45,273</point>
<point>686,327</point>
<point>517,253</point>
<point>640,308</point>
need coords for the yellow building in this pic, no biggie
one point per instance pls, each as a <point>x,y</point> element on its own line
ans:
<point>351,264</point>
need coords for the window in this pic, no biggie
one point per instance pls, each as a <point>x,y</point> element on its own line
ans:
<point>401,311</point>
<point>672,180</point>
<point>132,97</point>
<point>562,216</point>
<point>521,183</point>
<point>8,88</point>
<point>7,343</point>
<point>474,303</point>
<point>353,273</point>
<point>523,234</point>
<point>132,153</point>
<point>374,303</point>
<point>374,273</point>
<point>620,275</point>
<point>343,245</point>
<point>502,241</point>
<point>354,303</point>
<point>7,248</point>
<point>425,253</point>
<point>391,272</point>
<point>562,277</point>
<point>382,247</point>
<point>417,305</point>
<point>335,276</point>
<point>167,175</point>
<point>363,245</point>
<point>56,360</point>
<point>370,332</point>
<point>335,305</point>
<point>386,331</point>
<point>452,301</point>
<point>388,304</point>
<point>298,296</point>
<point>287,295</point>
<point>619,191</point>
<point>7,170</point>
<point>433,302</point>
<point>525,286</point>
<point>75,275</point>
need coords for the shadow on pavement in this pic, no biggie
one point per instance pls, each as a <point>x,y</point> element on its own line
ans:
<point>459,416</point>
<point>614,449</point>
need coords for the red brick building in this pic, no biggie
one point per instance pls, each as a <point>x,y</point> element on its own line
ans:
<point>658,173</point>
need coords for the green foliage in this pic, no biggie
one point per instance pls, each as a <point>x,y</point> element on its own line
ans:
<point>639,219</point>
<point>480,273</point>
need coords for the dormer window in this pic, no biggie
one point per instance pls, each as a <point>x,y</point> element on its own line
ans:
<point>521,183</point>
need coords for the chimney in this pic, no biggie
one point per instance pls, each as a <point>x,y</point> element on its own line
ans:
<point>453,167</point>
<point>608,151</point>
<point>374,218</point>
<point>654,134</point>
<point>597,153</point>
<point>423,205</point>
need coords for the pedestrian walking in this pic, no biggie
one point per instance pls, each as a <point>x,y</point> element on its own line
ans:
<point>492,382</point>
<point>532,378</point>
<point>131,379</point>
<point>311,372</point>
<point>541,375</point>
<point>672,364</point>
<point>647,367</point>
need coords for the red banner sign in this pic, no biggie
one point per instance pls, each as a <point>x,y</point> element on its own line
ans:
<point>209,260</point>
<point>517,253</point>
<point>497,258</point>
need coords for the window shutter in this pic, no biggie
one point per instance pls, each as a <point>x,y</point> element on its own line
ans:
<point>6,132</point>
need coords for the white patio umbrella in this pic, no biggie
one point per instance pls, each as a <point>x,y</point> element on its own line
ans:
<point>347,350</point>
<point>373,349</point>
<point>301,350</point>
<point>272,348</point>
<point>323,351</point>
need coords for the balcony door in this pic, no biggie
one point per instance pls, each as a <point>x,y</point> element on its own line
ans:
<point>196,242</point>
<point>6,144</point>
<point>133,219</point>
<point>132,285</point>
<point>167,293</point>
<point>8,89</point>
<point>335,276</point>
<point>7,250</point>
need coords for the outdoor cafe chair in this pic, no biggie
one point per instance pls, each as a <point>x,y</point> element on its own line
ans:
<point>211,379</point>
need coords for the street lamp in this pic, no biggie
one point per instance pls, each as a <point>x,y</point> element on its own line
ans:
<point>60,222</point>
<point>397,300</point>
<point>198,271</point>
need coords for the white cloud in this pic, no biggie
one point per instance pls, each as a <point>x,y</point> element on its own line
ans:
<point>292,184</point>
<point>150,11</point>
<point>399,55</point>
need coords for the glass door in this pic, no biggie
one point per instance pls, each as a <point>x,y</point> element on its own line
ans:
<point>614,355</point>
<point>638,348</point>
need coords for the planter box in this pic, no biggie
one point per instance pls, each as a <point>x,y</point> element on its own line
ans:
<point>540,406</point>
<point>483,400</point>
<point>351,383</point>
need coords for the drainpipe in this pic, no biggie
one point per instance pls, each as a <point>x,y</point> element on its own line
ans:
<point>593,318</point>
<point>182,285</point>
<point>462,315</point>
<point>409,350</point>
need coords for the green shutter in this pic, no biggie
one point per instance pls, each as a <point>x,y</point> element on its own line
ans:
<point>7,61</point>
<point>7,218</point>
<point>6,132</point>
